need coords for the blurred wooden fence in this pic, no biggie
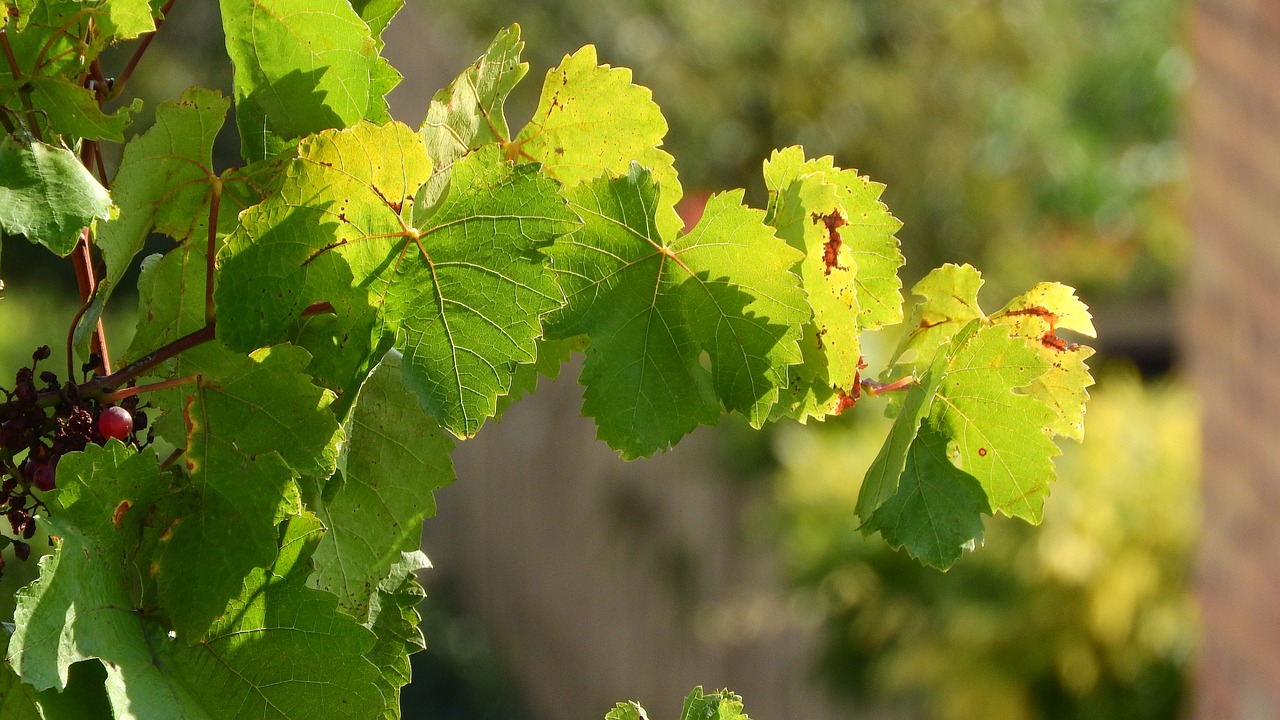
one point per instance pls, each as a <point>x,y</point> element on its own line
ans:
<point>605,581</point>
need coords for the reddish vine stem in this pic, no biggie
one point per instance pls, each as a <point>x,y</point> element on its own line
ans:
<point>102,168</point>
<point>82,261</point>
<point>173,456</point>
<point>121,394</point>
<point>17,77</point>
<point>143,44</point>
<point>96,81</point>
<point>106,384</point>
<point>873,388</point>
<point>136,368</point>
<point>215,199</point>
<point>8,53</point>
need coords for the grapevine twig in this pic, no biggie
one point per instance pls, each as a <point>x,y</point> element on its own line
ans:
<point>873,387</point>
<point>118,395</point>
<point>106,384</point>
<point>82,260</point>
<point>17,78</point>
<point>146,362</point>
<point>143,44</point>
<point>215,199</point>
<point>173,456</point>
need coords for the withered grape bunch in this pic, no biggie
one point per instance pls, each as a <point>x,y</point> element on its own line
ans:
<point>41,420</point>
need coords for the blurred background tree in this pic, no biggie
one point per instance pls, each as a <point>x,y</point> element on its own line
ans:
<point>1032,139</point>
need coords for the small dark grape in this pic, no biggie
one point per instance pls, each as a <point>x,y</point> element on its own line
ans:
<point>49,378</point>
<point>43,477</point>
<point>21,550</point>
<point>26,392</point>
<point>41,353</point>
<point>28,529</point>
<point>115,422</point>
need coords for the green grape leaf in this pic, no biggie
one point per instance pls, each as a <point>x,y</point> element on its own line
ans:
<point>125,19</point>
<point>248,425</point>
<point>164,182</point>
<point>17,700</point>
<point>254,662</point>
<point>394,619</point>
<point>301,68</point>
<point>333,196</point>
<point>47,195</point>
<point>937,511</point>
<point>720,705</point>
<point>84,697</point>
<point>1036,315</point>
<point>272,399</point>
<point>590,120</point>
<point>949,301</point>
<point>377,14</point>
<point>469,304</point>
<point>469,112</point>
<point>263,649</point>
<point>627,711</point>
<point>17,13</point>
<point>881,480</point>
<point>997,389</point>
<point>849,272</point>
<point>805,211</point>
<point>230,531</point>
<point>84,604</point>
<point>463,285</point>
<point>48,58</point>
<point>552,355</point>
<point>72,111</point>
<point>998,436</point>
<point>652,307</point>
<point>392,462</point>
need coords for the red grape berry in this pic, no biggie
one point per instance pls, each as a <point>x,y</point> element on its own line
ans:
<point>115,422</point>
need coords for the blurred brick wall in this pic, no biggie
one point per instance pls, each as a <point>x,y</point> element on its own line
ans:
<point>1233,349</point>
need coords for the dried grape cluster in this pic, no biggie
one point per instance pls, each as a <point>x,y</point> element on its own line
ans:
<point>40,421</point>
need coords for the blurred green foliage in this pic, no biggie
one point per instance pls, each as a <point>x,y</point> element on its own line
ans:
<point>1089,615</point>
<point>1034,138</point>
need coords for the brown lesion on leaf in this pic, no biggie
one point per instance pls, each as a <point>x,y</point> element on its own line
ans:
<point>831,248</point>
<point>1050,337</point>
<point>846,400</point>
<point>120,510</point>
<point>1053,342</point>
<point>168,532</point>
